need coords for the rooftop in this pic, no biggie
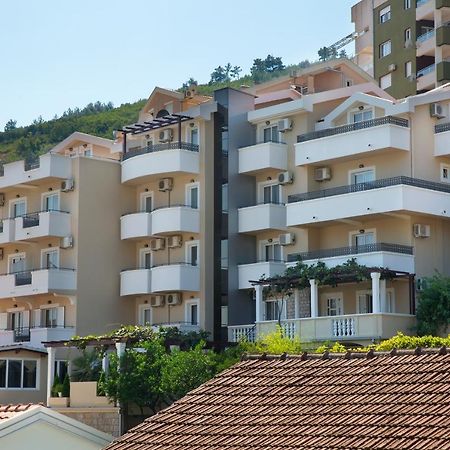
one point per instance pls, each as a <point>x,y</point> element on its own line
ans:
<point>9,411</point>
<point>393,400</point>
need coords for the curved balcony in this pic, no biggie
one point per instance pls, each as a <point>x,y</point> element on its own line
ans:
<point>263,156</point>
<point>164,278</point>
<point>42,224</point>
<point>6,231</point>
<point>156,161</point>
<point>254,271</point>
<point>167,220</point>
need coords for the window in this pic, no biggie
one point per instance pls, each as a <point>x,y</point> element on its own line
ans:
<point>49,317</point>
<point>385,14</point>
<point>271,134</point>
<point>362,239</point>
<point>362,115</point>
<point>385,49</point>
<point>390,301</point>
<point>445,173</point>
<point>192,312</point>
<point>192,195</point>
<point>225,197</point>
<point>194,136</point>
<point>192,253</point>
<point>224,254</point>
<point>271,251</point>
<point>334,306</point>
<point>386,81</point>
<point>407,4</point>
<point>147,202</point>
<point>88,152</point>
<point>50,202</point>
<point>224,316</point>
<point>275,310</point>
<point>408,69</point>
<point>362,176</point>
<point>271,193</point>
<point>50,259</point>
<point>18,374</point>
<point>17,263</point>
<point>348,82</point>
<point>18,208</point>
<point>146,258</point>
<point>145,315</point>
<point>364,305</point>
<point>407,35</point>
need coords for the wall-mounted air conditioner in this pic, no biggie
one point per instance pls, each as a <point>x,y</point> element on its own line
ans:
<point>165,184</point>
<point>166,135</point>
<point>285,178</point>
<point>2,199</point>
<point>157,244</point>
<point>157,301</point>
<point>322,174</point>
<point>174,241</point>
<point>287,239</point>
<point>421,231</point>
<point>436,110</point>
<point>67,185</point>
<point>173,299</point>
<point>66,242</point>
<point>284,125</point>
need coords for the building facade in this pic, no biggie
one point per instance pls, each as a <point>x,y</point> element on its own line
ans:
<point>408,42</point>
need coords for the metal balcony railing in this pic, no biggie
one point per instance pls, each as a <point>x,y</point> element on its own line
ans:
<point>421,2</point>
<point>21,334</point>
<point>32,164</point>
<point>426,70</point>
<point>353,127</point>
<point>425,36</point>
<point>441,127</point>
<point>350,251</point>
<point>160,147</point>
<point>386,182</point>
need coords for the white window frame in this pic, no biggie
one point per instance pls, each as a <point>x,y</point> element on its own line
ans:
<point>188,310</point>
<point>385,45</point>
<point>14,255</point>
<point>385,14</point>
<point>142,197</point>
<point>407,34</point>
<point>266,127</point>
<point>12,202</point>
<point>408,69</point>
<point>351,113</point>
<point>352,172</point>
<point>44,196</point>
<point>407,4</point>
<point>354,233</point>
<point>188,133</point>
<point>280,302</point>
<point>390,291</point>
<point>443,167</point>
<point>263,184</point>
<point>387,76</point>
<point>362,292</point>
<point>262,244</point>
<point>189,244</point>
<point>38,371</point>
<point>188,188</point>
<point>333,295</point>
<point>141,314</point>
<point>142,252</point>
<point>44,251</point>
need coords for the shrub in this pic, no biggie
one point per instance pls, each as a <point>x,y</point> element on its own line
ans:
<point>65,387</point>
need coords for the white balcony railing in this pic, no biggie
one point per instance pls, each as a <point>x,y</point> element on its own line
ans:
<point>35,336</point>
<point>268,216</point>
<point>6,231</point>
<point>42,224</point>
<point>263,156</point>
<point>254,271</point>
<point>173,219</point>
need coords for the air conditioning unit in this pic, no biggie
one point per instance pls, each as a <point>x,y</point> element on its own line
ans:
<point>173,299</point>
<point>285,177</point>
<point>287,239</point>
<point>421,231</point>
<point>2,199</point>
<point>436,110</point>
<point>284,125</point>
<point>322,174</point>
<point>174,241</point>
<point>157,244</point>
<point>157,300</point>
<point>67,185</point>
<point>421,284</point>
<point>165,184</point>
<point>392,67</point>
<point>66,242</point>
<point>166,135</point>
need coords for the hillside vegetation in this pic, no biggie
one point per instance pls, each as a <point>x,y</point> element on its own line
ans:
<point>100,119</point>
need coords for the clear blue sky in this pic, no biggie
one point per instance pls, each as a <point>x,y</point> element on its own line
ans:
<point>58,54</point>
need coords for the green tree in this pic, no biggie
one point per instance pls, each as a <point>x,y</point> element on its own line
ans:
<point>433,309</point>
<point>218,76</point>
<point>11,125</point>
<point>235,72</point>
<point>65,388</point>
<point>324,54</point>
<point>343,54</point>
<point>87,366</point>
<point>187,84</point>
<point>273,64</point>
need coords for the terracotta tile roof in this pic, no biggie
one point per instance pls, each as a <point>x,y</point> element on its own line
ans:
<point>389,401</point>
<point>8,411</point>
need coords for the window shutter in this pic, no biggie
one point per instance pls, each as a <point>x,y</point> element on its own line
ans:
<point>339,307</point>
<point>60,317</point>
<point>37,318</point>
<point>26,319</point>
<point>3,321</point>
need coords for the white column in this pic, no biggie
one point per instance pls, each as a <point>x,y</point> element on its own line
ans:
<point>376,307</point>
<point>314,298</point>
<point>120,349</point>
<point>105,364</point>
<point>259,303</point>
<point>50,371</point>
<point>383,298</point>
<point>297,303</point>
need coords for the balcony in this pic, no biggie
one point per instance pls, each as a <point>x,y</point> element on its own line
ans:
<point>6,231</point>
<point>369,199</point>
<point>183,327</point>
<point>34,337</point>
<point>425,10</point>
<point>353,327</point>
<point>263,156</point>
<point>426,77</point>
<point>426,44</point>
<point>156,161</point>
<point>168,220</point>
<point>47,167</point>
<point>42,224</point>
<point>443,71</point>
<point>443,35</point>
<point>354,139</point>
<point>255,271</point>
<point>38,281</point>
<point>441,139</point>
<point>267,216</point>
<point>164,278</point>
<point>393,256</point>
